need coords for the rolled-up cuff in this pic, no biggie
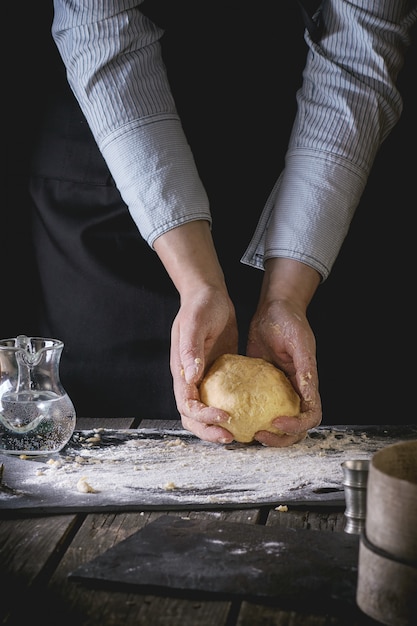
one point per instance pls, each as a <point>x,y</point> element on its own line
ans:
<point>308,212</point>
<point>161,187</point>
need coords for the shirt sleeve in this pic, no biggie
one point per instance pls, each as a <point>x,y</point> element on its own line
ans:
<point>114,66</point>
<point>347,105</point>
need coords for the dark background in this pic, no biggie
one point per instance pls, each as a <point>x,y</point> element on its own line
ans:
<point>234,74</point>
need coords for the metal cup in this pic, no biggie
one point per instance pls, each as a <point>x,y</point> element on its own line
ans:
<point>355,479</point>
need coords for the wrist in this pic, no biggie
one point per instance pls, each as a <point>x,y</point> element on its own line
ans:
<point>189,256</point>
<point>287,279</point>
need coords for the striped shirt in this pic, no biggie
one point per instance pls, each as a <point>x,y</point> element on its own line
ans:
<point>346,106</point>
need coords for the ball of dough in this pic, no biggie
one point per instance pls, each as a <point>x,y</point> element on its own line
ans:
<point>252,391</point>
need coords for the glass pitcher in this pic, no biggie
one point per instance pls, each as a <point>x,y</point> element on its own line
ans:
<point>36,414</point>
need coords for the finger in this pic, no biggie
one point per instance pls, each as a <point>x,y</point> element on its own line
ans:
<point>298,424</point>
<point>199,412</point>
<point>308,387</point>
<point>207,432</point>
<point>187,363</point>
<point>192,365</point>
<point>186,355</point>
<point>278,441</point>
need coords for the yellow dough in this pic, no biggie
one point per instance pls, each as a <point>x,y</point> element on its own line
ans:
<point>252,391</point>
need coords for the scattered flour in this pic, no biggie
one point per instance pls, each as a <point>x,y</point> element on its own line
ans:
<point>145,468</point>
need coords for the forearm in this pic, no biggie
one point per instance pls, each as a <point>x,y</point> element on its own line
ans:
<point>113,60</point>
<point>347,106</point>
<point>114,65</point>
<point>189,256</point>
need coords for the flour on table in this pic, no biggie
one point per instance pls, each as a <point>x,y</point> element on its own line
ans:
<point>148,468</point>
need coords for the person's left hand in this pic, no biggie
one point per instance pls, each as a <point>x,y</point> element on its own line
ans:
<point>281,334</point>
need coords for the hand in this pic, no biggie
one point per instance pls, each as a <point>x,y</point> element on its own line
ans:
<point>280,333</point>
<point>204,328</point>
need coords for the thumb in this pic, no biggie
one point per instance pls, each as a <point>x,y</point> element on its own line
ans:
<point>193,367</point>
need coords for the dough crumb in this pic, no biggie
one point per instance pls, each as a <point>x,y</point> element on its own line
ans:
<point>170,486</point>
<point>93,440</point>
<point>282,508</point>
<point>84,487</point>
<point>175,442</point>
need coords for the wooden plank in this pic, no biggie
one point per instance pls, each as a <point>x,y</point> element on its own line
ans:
<point>87,423</point>
<point>252,614</point>
<point>161,424</point>
<point>319,519</point>
<point>27,549</point>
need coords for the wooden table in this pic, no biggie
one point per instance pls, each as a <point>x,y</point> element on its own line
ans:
<point>38,553</point>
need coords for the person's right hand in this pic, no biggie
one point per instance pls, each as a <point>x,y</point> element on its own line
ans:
<point>205,326</point>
